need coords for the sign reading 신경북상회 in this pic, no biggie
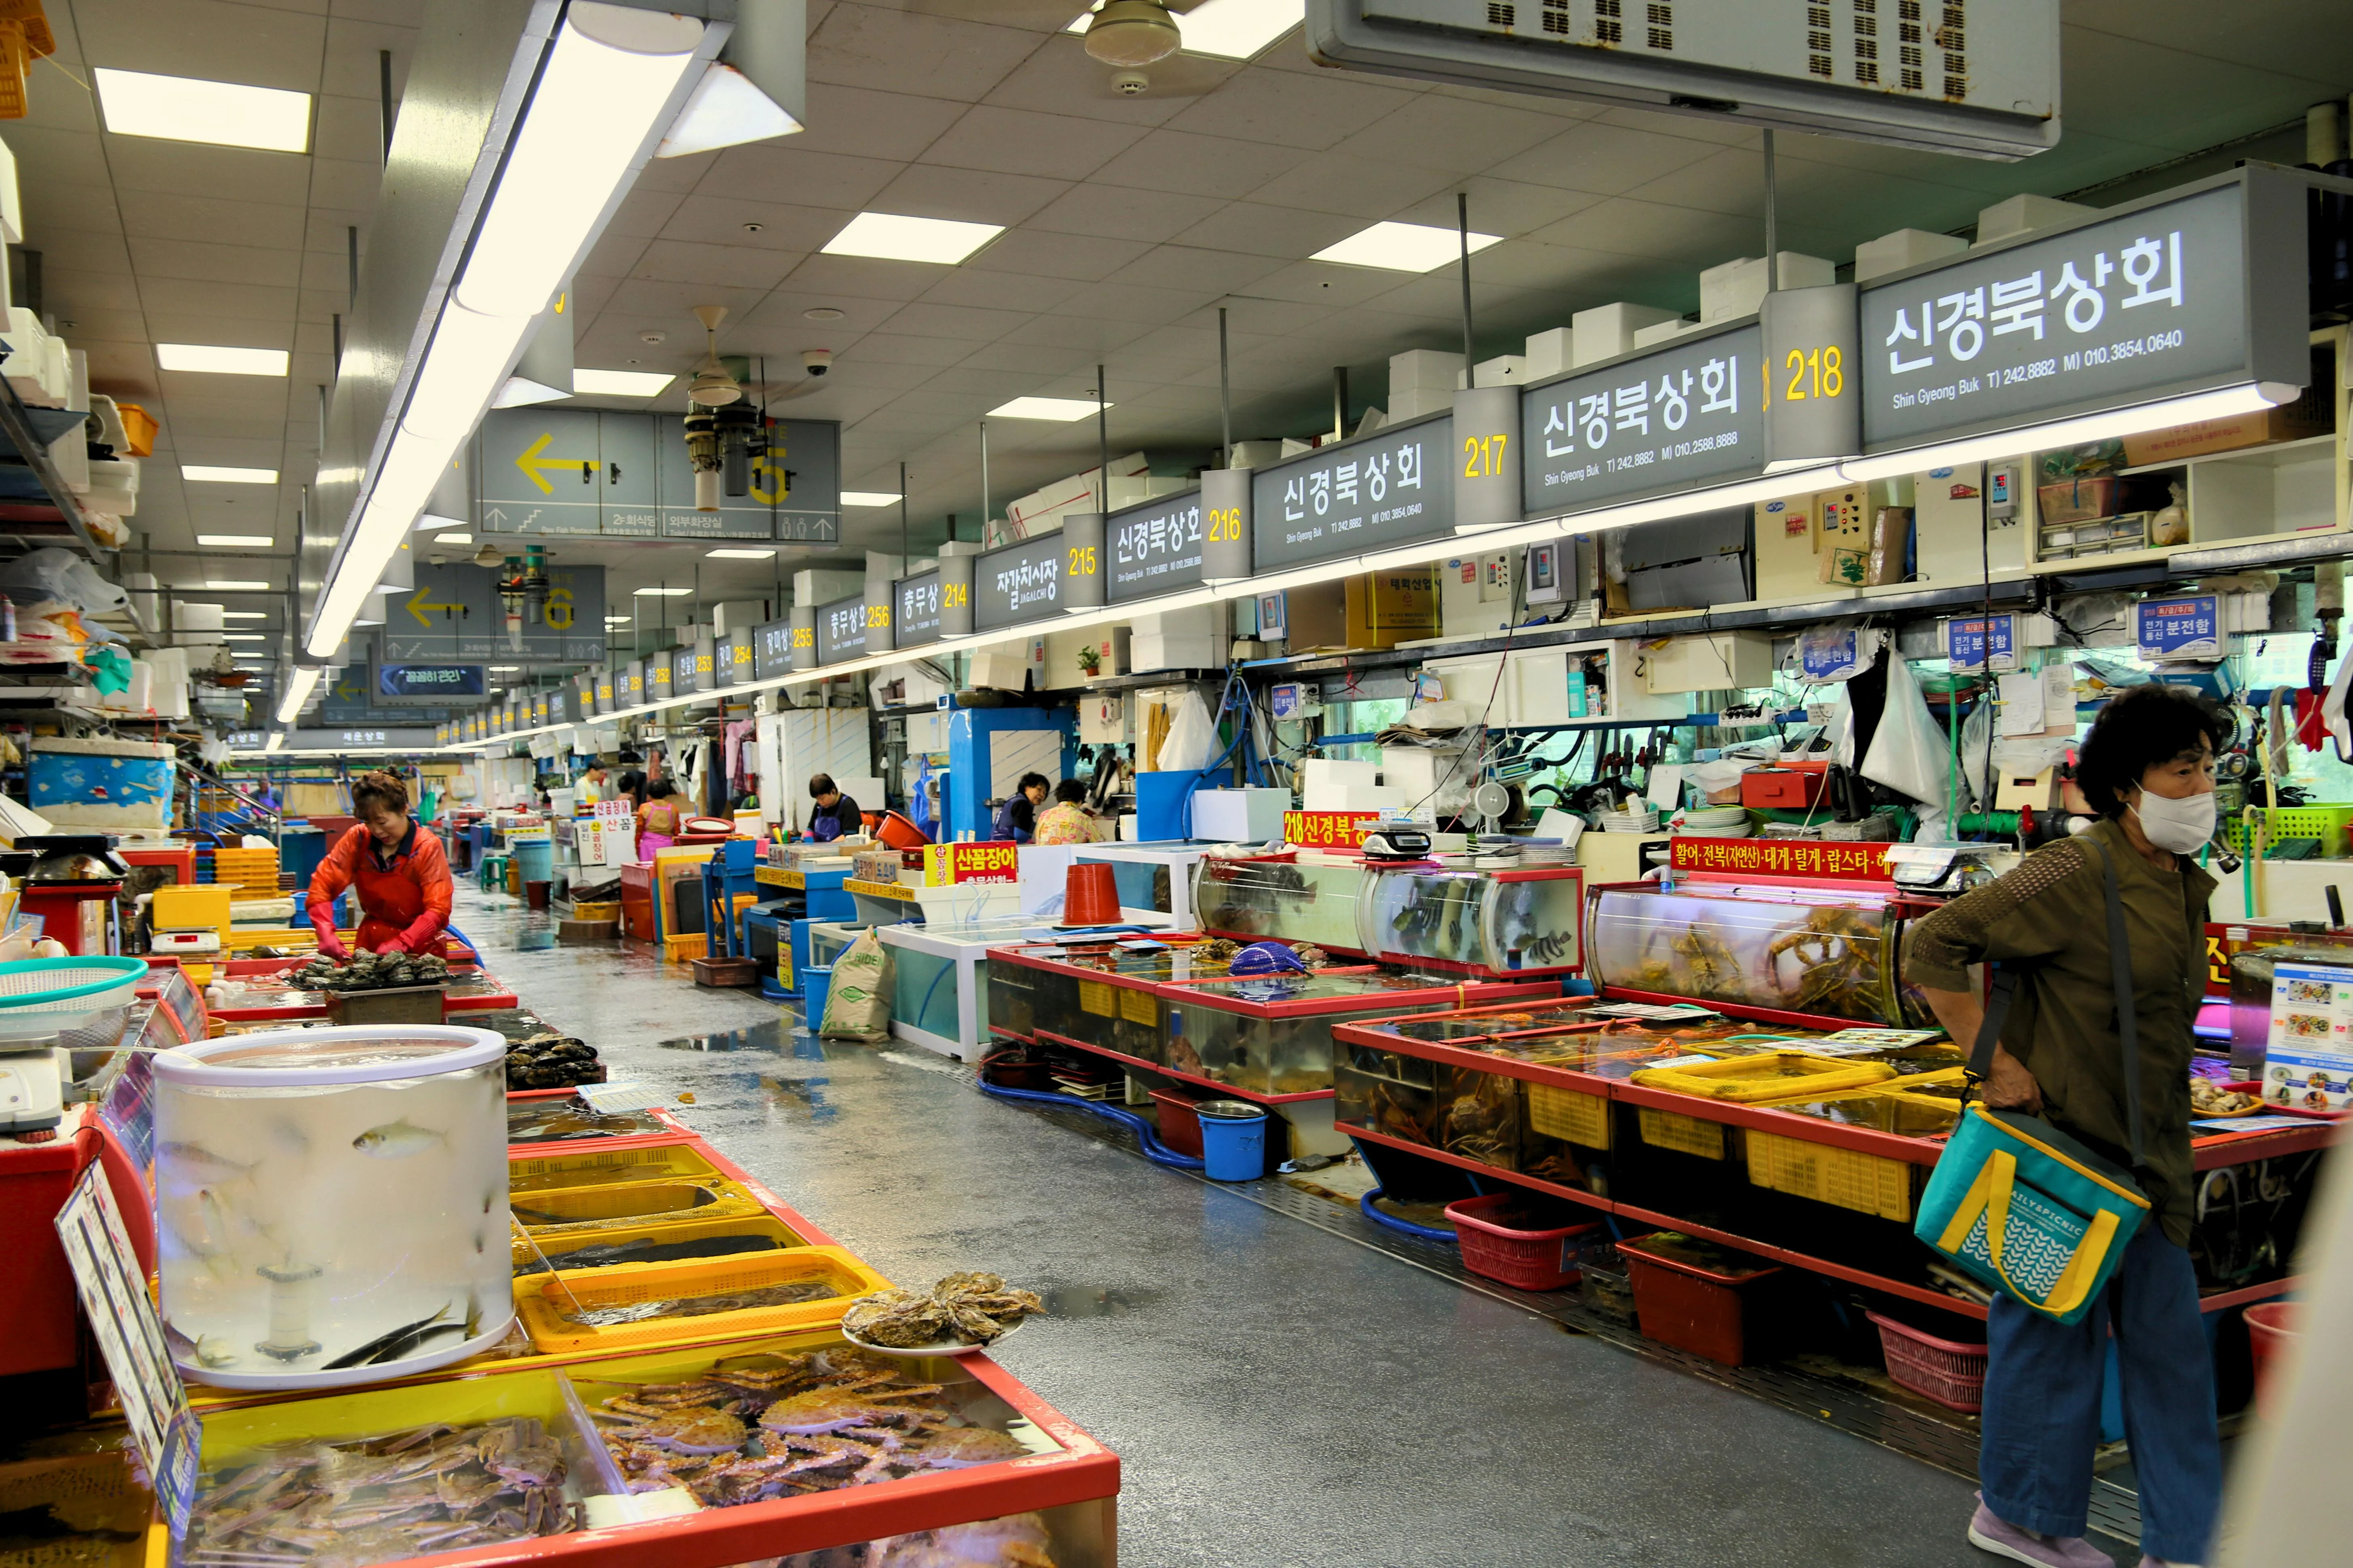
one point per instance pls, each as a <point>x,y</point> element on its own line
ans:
<point>1327,829</point>
<point>1687,413</point>
<point>1395,487</point>
<point>1154,548</point>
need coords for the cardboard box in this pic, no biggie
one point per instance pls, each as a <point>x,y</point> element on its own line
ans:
<point>1890,540</point>
<point>2308,417</point>
<point>1386,609</point>
<point>1711,661</point>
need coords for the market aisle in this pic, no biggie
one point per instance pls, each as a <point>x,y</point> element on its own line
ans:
<point>1278,1394</point>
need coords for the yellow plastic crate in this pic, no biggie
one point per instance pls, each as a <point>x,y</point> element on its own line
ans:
<point>1568,1113</point>
<point>542,1301</point>
<point>560,1250</point>
<point>1769,1076</point>
<point>1868,1184</point>
<point>1683,1134</point>
<point>626,1204</point>
<point>685,949</point>
<point>664,1163</point>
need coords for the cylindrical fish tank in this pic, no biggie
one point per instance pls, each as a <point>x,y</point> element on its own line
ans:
<point>333,1203</point>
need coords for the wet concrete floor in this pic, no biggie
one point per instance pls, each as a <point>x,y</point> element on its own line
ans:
<point>1277,1394</point>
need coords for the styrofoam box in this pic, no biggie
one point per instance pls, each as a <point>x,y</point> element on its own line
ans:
<point>1193,621</point>
<point>1607,331</point>
<point>101,784</point>
<point>2023,215</point>
<point>1369,797</point>
<point>1239,816</point>
<point>1736,288</point>
<point>1905,248</point>
<point>1434,783</point>
<point>1416,400</point>
<point>1324,781</point>
<point>1424,369</point>
<point>1149,653</point>
<point>1503,370</point>
<point>1710,662</point>
<point>1663,331</point>
<point>1551,351</point>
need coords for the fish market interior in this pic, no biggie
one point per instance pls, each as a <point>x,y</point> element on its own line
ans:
<point>1047,784</point>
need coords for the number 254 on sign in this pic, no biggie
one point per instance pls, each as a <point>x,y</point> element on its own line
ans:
<point>944,865</point>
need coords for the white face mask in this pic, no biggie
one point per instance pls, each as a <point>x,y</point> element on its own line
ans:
<point>2183,825</point>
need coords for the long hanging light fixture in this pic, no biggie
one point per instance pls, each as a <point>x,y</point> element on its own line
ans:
<point>612,80</point>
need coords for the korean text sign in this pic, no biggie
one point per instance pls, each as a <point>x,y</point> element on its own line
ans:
<point>1327,829</point>
<point>841,629</point>
<point>2153,301</point>
<point>2179,628</point>
<point>1688,414</point>
<point>1981,643</point>
<point>1019,583</point>
<point>1154,548</point>
<point>944,865</point>
<point>1394,488</point>
<point>1783,858</point>
<point>919,608</point>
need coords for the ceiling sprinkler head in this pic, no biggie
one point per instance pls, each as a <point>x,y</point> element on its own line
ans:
<point>1128,84</point>
<point>653,335</point>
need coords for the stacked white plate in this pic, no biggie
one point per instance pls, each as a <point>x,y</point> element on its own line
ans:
<point>1717,821</point>
<point>1629,822</point>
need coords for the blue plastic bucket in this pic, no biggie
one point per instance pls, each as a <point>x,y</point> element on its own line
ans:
<point>1233,1140</point>
<point>536,856</point>
<point>816,981</point>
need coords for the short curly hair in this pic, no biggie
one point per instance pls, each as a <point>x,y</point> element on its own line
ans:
<point>380,789</point>
<point>2140,729</point>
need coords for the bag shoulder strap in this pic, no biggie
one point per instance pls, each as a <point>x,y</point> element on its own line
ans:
<point>2005,991</point>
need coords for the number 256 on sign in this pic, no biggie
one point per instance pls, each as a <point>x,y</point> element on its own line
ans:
<point>944,865</point>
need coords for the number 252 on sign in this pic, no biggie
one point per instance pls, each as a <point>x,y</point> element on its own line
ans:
<point>944,865</point>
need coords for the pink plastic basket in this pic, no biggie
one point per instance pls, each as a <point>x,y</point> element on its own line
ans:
<point>1951,1373</point>
<point>1527,1259</point>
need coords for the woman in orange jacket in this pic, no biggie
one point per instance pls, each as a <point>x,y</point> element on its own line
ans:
<point>395,866</point>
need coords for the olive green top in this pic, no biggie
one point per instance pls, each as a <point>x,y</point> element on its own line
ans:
<point>2050,914</point>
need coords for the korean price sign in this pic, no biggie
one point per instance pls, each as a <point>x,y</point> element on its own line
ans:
<point>2166,298</point>
<point>1019,583</point>
<point>1327,829</point>
<point>1691,413</point>
<point>841,629</point>
<point>1394,488</point>
<point>1982,644</point>
<point>1154,548</point>
<point>2179,628</point>
<point>919,608</point>
<point>1784,857</point>
<point>946,865</point>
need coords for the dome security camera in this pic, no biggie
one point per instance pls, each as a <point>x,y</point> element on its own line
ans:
<point>816,361</point>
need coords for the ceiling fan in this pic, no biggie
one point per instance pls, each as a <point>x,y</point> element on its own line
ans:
<point>1130,35</point>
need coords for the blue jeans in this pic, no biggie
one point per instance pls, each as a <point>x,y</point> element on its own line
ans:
<point>2042,1419</point>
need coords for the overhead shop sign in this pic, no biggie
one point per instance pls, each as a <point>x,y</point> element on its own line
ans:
<point>1154,548</point>
<point>772,649</point>
<point>1980,80</point>
<point>841,629</point>
<point>632,684</point>
<point>1392,488</point>
<point>736,659</point>
<point>410,685</point>
<point>1018,584</point>
<point>918,599</point>
<point>1684,415</point>
<point>452,615</point>
<point>2170,296</point>
<point>626,475</point>
<point>687,669</point>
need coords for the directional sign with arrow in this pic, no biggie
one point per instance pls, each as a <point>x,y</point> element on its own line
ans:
<point>453,616</point>
<point>577,471</point>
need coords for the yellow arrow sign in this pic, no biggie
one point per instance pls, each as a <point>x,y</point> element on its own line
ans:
<point>533,466</point>
<point>419,605</point>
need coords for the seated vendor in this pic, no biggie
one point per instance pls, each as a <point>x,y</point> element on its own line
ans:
<point>836,816</point>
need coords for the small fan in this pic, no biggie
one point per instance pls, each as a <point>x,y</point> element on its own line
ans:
<point>1492,801</point>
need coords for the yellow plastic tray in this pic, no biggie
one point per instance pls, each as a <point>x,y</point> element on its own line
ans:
<point>1568,1113</point>
<point>629,1204</point>
<point>607,1166</point>
<point>1769,1076</point>
<point>558,1247</point>
<point>1683,1134</point>
<point>542,1301</point>
<point>1868,1184</point>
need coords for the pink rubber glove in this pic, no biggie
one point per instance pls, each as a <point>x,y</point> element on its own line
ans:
<point>329,943</point>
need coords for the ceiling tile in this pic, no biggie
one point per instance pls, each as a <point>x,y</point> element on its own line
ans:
<point>1257,229</point>
<point>1022,141</point>
<point>212,327</point>
<point>1602,157</point>
<point>1315,112</point>
<point>645,213</point>
<point>173,215</point>
<point>1198,166</point>
<point>734,266</point>
<point>261,46</point>
<point>67,251</point>
<point>1032,359</point>
<point>349,128</point>
<point>344,183</point>
<point>81,289</point>
<point>1188,267</point>
<point>906,349</point>
<point>1448,133</point>
<point>861,279</point>
<point>351,68</point>
<point>1001,291</point>
<point>1344,181</point>
<point>785,170</point>
<point>1129,302</point>
<point>51,204</point>
<point>240,173</point>
<point>63,157</point>
<point>967,196</point>
<point>1098,336</point>
<point>781,310</point>
<point>960,321</point>
<point>664,299</point>
<point>1498,207</point>
<point>869,123</point>
<point>1057,255</point>
<point>1062,78</point>
<point>1110,213</point>
<point>1321,283</point>
<point>83,325</point>
<point>903,51</point>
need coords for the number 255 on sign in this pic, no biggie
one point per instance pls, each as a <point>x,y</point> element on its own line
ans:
<point>944,865</point>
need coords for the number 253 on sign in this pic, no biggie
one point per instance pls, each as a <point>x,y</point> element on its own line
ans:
<point>944,865</point>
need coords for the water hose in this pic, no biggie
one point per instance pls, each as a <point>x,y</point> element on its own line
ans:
<point>1153,1150</point>
<point>1406,1227</point>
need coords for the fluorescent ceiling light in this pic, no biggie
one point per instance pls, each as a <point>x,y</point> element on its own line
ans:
<point>245,637</point>
<point>888,238</point>
<point>235,585</point>
<point>299,686</point>
<point>620,383</point>
<point>453,539</point>
<point>246,615</point>
<point>608,77</point>
<point>522,391</point>
<point>2080,431</point>
<point>1063,409</point>
<point>504,669</point>
<point>741,554</point>
<point>724,109</point>
<point>1236,30</point>
<point>186,108</point>
<point>204,473</point>
<point>869,498</point>
<point>1402,247</point>
<point>277,740</point>
<point>619,620</point>
<point>214,359</point>
<point>235,540</point>
<point>666,592</point>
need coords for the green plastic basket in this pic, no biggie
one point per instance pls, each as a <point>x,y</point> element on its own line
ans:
<point>2326,823</point>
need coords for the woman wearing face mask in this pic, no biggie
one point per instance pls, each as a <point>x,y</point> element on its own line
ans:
<point>2147,768</point>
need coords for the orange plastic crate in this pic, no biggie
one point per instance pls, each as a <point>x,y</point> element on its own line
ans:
<point>541,1301</point>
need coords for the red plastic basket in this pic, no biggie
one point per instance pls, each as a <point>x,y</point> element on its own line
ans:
<point>1695,1309</point>
<point>1180,1124</point>
<point>1527,1259</point>
<point>1951,1373</point>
